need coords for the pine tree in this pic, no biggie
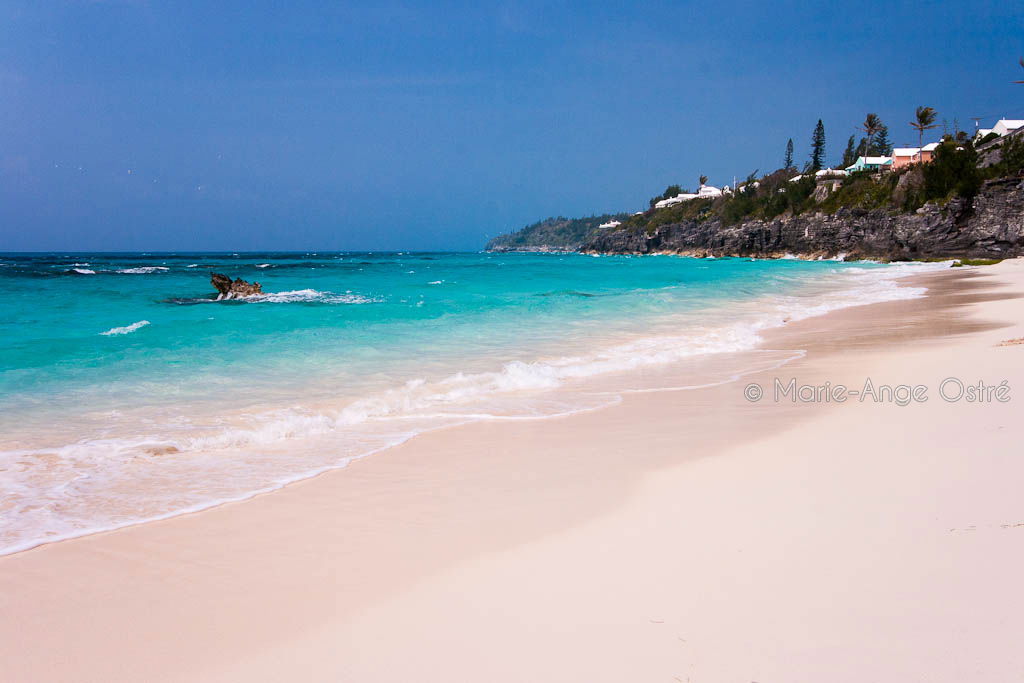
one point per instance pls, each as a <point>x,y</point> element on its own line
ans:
<point>818,147</point>
<point>882,146</point>
<point>850,154</point>
<point>788,163</point>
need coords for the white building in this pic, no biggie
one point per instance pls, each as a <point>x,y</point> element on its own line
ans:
<point>611,224</point>
<point>672,201</point>
<point>1005,126</point>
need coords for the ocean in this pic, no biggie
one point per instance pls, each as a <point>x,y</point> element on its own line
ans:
<point>128,393</point>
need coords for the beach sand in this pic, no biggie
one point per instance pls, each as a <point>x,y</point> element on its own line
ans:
<point>678,536</point>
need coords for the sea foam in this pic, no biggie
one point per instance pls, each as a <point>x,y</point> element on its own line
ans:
<point>127,329</point>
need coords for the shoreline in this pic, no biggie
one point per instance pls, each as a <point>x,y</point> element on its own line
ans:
<point>340,555</point>
<point>583,384</point>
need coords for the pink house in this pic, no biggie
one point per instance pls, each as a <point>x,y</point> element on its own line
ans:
<point>904,156</point>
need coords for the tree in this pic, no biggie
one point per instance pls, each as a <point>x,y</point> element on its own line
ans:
<point>818,147</point>
<point>788,163</point>
<point>872,124</point>
<point>850,154</point>
<point>924,120</point>
<point>1022,64</point>
<point>671,191</point>
<point>883,147</point>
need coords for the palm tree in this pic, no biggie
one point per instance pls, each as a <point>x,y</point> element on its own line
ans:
<point>872,126</point>
<point>703,180</point>
<point>1022,64</point>
<point>925,121</point>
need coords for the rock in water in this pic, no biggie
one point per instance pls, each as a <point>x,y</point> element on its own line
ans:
<point>233,289</point>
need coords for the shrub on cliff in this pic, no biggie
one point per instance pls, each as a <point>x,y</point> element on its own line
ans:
<point>1011,158</point>
<point>953,171</point>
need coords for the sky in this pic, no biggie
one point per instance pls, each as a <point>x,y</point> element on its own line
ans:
<point>145,125</point>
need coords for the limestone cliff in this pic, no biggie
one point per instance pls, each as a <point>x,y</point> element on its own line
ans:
<point>989,226</point>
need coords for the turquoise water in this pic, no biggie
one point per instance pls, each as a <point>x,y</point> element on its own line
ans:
<point>128,393</point>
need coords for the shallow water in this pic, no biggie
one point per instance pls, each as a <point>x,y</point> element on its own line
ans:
<point>127,393</point>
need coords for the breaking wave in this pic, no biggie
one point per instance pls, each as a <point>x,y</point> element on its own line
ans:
<point>144,270</point>
<point>127,329</point>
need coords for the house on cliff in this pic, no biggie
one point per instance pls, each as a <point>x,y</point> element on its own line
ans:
<point>871,164</point>
<point>1007,126</point>
<point>705,192</point>
<point>905,156</point>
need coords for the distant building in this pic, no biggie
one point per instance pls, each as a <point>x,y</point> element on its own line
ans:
<point>1006,126</point>
<point>672,201</point>
<point>905,156</point>
<point>708,191</point>
<point>612,224</point>
<point>928,152</point>
<point>829,172</point>
<point>871,164</point>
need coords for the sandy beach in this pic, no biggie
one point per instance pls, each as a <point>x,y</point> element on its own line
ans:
<point>678,536</point>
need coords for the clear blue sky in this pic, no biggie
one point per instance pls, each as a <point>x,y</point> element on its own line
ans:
<point>174,125</point>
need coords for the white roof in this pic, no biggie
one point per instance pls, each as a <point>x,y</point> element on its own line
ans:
<point>1010,124</point>
<point>793,180</point>
<point>672,201</point>
<point>930,147</point>
<point>610,224</point>
<point>905,151</point>
<point>830,171</point>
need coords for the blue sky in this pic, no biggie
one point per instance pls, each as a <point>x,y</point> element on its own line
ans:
<point>159,125</point>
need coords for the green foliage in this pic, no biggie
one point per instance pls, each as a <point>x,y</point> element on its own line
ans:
<point>989,138</point>
<point>871,126</point>
<point>924,119</point>
<point>850,153</point>
<point>788,163</point>
<point>1011,163</point>
<point>561,232</point>
<point>953,171</point>
<point>882,147</point>
<point>670,191</point>
<point>818,147</point>
<point>862,190</point>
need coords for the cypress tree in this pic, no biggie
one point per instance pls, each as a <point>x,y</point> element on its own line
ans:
<point>818,147</point>
<point>788,163</point>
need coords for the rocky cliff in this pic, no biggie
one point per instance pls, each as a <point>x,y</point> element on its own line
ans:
<point>989,226</point>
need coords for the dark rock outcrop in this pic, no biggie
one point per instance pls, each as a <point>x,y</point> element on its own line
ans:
<point>989,226</point>
<point>233,289</point>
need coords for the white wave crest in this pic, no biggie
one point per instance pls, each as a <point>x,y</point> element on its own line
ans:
<point>144,270</point>
<point>127,329</point>
<point>84,271</point>
<point>309,295</point>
